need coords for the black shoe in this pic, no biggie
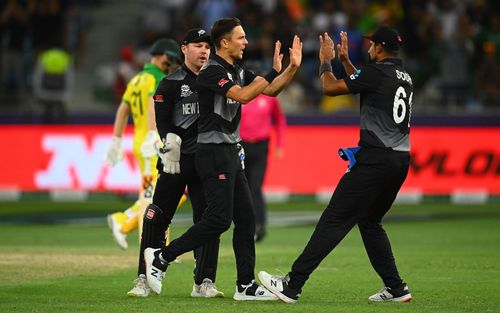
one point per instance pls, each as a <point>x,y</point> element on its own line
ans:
<point>260,233</point>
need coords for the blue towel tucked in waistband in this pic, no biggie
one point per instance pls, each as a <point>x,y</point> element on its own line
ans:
<point>349,154</point>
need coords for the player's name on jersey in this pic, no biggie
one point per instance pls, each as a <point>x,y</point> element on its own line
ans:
<point>403,76</point>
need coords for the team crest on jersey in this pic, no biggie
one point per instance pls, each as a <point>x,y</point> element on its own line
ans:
<point>158,98</point>
<point>355,75</point>
<point>185,91</point>
<point>230,76</point>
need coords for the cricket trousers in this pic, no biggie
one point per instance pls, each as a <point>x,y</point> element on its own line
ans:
<point>168,192</point>
<point>255,170</point>
<point>363,196</point>
<point>228,200</point>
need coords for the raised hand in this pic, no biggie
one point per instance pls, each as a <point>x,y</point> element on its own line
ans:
<point>343,48</point>
<point>296,52</point>
<point>326,50</point>
<point>278,57</point>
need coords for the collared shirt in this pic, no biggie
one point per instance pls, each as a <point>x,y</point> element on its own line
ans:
<point>220,116</point>
<point>386,92</point>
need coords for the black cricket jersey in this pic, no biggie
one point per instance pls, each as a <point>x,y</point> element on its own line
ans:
<point>220,116</point>
<point>386,93</point>
<point>176,107</point>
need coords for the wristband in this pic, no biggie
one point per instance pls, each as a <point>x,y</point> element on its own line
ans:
<point>325,67</point>
<point>271,75</point>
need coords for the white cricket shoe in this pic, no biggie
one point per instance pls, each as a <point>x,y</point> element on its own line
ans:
<point>253,292</point>
<point>141,288</point>
<point>120,237</point>
<point>155,269</point>
<point>386,294</point>
<point>278,285</point>
<point>206,289</point>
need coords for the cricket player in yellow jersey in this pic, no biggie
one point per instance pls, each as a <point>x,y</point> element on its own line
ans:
<point>138,101</point>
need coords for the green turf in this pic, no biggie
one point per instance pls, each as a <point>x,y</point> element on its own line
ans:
<point>98,207</point>
<point>451,265</point>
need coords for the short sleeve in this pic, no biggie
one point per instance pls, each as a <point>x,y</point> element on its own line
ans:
<point>215,78</point>
<point>150,84</point>
<point>127,94</point>
<point>363,80</point>
<point>249,77</point>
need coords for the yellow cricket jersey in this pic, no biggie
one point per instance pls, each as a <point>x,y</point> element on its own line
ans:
<point>139,89</point>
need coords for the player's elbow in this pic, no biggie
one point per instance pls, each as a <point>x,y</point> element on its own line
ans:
<point>329,90</point>
<point>335,88</point>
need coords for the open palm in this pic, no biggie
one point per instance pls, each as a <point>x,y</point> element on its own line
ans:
<point>296,52</point>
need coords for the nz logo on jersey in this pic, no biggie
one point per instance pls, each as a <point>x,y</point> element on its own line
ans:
<point>185,91</point>
<point>355,75</point>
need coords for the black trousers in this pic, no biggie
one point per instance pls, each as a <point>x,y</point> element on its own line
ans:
<point>363,196</point>
<point>255,170</point>
<point>228,200</point>
<point>168,192</point>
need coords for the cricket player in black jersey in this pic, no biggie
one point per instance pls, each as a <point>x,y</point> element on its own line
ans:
<point>376,171</point>
<point>223,86</point>
<point>176,111</point>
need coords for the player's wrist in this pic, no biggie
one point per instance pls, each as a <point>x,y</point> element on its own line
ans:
<point>325,67</point>
<point>116,140</point>
<point>271,75</point>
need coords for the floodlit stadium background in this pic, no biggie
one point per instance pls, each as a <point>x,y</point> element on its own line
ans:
<point>452,51</point>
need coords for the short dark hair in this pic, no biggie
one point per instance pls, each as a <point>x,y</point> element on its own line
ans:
<point>221,28</point>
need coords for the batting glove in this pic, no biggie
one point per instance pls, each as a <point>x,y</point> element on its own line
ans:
<point>151,145</point>
<point>171,155</point>
<point>241,155</point>
<point>115,152</point>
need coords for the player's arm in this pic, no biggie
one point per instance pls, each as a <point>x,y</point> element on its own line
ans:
<point>121,119</point>
<point>330,84</point>
<point>164,111</point>
<point>280,82</point>
<point>164,108</point>
<point>152,143</point>
<point>216,79</point>
<point>115,152</point>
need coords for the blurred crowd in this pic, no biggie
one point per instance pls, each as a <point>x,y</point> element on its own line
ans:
<point>452,47</point>
<point>40,43</point>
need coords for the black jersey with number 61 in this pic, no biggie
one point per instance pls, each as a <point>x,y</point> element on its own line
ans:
<point>386,93</point>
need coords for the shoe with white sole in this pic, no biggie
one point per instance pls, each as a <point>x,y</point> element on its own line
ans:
<point>206,289</point>
<point>155,269</point>
<point>253,292</point>
<point>118,235</point>
<point>141,288</point>
<point>278,285</point>
<point>386,294</point>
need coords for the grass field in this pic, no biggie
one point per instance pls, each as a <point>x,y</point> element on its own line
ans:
<point>451,263</point>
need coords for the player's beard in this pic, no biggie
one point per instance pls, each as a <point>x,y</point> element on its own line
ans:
<point>369,59</point>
